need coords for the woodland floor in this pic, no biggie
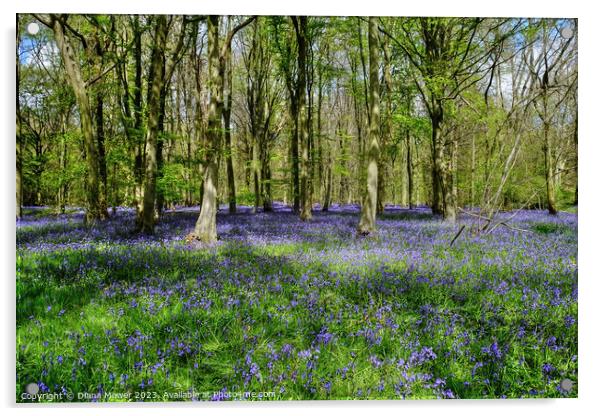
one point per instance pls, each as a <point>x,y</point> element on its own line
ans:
<point>287,310</point>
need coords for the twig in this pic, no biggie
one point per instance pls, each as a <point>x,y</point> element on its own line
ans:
<point>509,226</point>
<point>457,235</point>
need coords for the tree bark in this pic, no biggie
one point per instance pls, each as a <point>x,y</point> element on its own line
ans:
<point>410,170</point>
<point>256,174</point>
<point>443,167</point>
<point>63,165</point>
<point>138,134</point>
<point>150,180</point>
<point>227,133</point>
<point>301,33</point>
<point>472,170</point>
<point>575,139</point>
<point>19,175</point>
<point>388,125</point>
<point>206,229</point>
<point>266,175</point>
<point>160,195</point>
<point>74,75</point>
<point>367,222</point>
<point>549,168</point>
<point>102,163</point>
<point>294,110</point>
<point>549,165</point>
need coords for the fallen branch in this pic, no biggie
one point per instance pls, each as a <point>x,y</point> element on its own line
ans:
<point>504,223</point>
<point>495,225</point>
<point>457,235</point>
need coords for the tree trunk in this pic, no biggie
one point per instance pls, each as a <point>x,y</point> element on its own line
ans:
<point>227,133</point>
<point>328,187</point>
<point>380,205</point>
<point>256,174</point>
<point>472,170</point>
<point>63,165</point>
<point>160,196</point>
<point>575,138</point>
<point>139,138</point>
<point>102,163</point>
<point>19,189</point>
<point>344,181</point>
<point>205,229</point>
<point>443,169</point>
<point>549,169</point>
<point>115,189</point>
<point>294,108</point>
<point>301,32</point>
<point>409,167</point>
<point>150,182</point>
<point>436,200</point>
<point>320,145</point>
<point>388,125</point>
<point>367,223</point>
<point>327,176</point>
<point>266,175</point>
<point>74,75</point>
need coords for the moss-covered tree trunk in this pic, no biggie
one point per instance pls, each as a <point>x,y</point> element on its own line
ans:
<point>150,177</point>
<point>305,198</point>
<point>94,211</point>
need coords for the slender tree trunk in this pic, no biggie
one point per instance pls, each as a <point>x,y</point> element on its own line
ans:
<point>19,185</point>
<point>115,189</point>
<point>367,222</point>
<point>294,106</point>
<point>74,75</point>
<point>139,137</point>
<point>310,128</point>
<point>150,182</point>
<point>320,145</point>
<point>472,170</point>
<point>453,174</point>
<point>328,186</point>
<point>409,167</point>
<point>188,201</point>
<point>63,165</point>
<point>549,169</point>
<point>575,138</point>
<point>227,133</point>
<point>266,174</point>
<point>256,174</point>
<point>160,196</point>
<point>301,32</point>
<point>388,126</point>
<point>102,163</point>
<point>344,182</point>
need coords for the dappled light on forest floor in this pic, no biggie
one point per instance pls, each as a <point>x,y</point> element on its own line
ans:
<point>307,310</point>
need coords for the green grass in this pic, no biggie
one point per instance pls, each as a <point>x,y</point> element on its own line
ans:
<point>206,316</point>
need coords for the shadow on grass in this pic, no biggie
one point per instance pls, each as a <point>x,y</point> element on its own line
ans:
<point>73,278</point>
